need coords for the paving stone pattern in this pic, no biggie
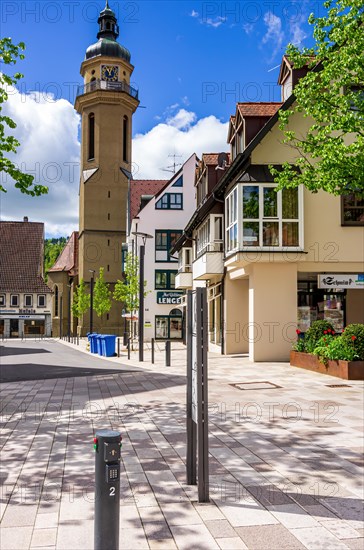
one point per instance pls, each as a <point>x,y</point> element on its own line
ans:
<point>285,463</point>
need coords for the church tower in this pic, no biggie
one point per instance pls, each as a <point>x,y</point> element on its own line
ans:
<point>106,103</point>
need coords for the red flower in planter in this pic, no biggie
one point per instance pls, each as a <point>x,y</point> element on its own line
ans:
<point>353,338</point>
<point>298,331</point>
<point>325,331</point>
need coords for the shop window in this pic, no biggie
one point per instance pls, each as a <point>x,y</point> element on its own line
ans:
<point>41,300</point>
<point>169,327</point>
<point>2,300</point>
<point>91,136</point>
<point>352,210</point>
<point>179,182</point>
<point>170,201</point>
<point>14,300</point>
<point>164,240</point>
<point>28,300</point>
<point>165,279</point>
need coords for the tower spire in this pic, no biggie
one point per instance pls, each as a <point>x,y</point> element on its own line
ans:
<point>108,27</point>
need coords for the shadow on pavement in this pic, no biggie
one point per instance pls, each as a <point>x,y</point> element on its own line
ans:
<point>32,371</point>
<point>5,351</point>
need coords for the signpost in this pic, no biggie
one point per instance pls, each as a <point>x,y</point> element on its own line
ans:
<point>197,394</point>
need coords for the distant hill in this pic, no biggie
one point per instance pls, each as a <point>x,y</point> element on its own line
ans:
<point>52,249</point>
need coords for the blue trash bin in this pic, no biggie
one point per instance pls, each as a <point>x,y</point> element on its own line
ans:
<point>99,343</point>
<point>109,345</point>
<point>93,344</point>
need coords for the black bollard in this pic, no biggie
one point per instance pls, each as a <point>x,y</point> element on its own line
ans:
<point>128,348</point>
<point>152,350</point>
<point>118,347</point>
<point>168,353</point>
<point>107,444</point>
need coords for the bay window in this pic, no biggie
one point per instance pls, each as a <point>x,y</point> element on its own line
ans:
<point>264,217</point>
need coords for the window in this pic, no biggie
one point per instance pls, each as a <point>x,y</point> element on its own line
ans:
<point>165,279</point>
<point>356,97</point>
<point>185,260</point>
<point>14,300</point>
<point>125,138</point>
<point>209,236</point>
<point>124,252</point>
<point>179,182</point>
<point>232,220</point>
<point>352,210</point>
<point>266,218</point>
<point>164,240</point>
<point>108,216</point>
<point>56,301</point>
<point>28,300</point>
<point>91,136</point>
<point>41,300</point>
<point>170,201</point>
<point>2,300</point>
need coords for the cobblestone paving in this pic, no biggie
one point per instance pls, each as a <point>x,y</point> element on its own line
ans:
<point>285,462</point>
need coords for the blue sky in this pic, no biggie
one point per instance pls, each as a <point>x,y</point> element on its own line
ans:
<point>193,62</point>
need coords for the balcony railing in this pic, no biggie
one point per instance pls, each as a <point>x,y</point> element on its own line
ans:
<point>185,269</point>
<point>216,246</point>
<point>106,85</point>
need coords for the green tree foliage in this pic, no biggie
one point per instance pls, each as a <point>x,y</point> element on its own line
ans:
<point>9,54</point>
<point>52,249</point>
<point>101,295</point>
<point>331,152</point>
<point>81,300</point>
<point>127,291</point>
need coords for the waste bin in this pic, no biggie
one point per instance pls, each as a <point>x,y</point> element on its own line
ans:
<point>92,339</point>
<point>98,343</point>
<point>108,345</point>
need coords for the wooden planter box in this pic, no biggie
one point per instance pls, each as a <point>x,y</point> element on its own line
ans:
<point>348,370</point>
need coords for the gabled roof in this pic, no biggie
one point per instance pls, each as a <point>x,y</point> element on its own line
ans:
<point>21,257</point>
<point>68,258</point>
<point>142,187</point>
<point>258,109</point>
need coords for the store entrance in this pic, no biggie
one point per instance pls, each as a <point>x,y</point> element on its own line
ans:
<point>14,328</point>
<point>169,327</point>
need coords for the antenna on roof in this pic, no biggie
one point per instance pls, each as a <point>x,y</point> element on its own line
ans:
<point>222,161</point>
<point>173,167</point>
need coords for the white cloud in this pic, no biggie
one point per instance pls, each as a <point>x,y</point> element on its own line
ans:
<point>194,13</point>
<point>209,21</point>
<point>151,150</point>
<point>47,131</point>
<point>274,34</point>
<point>248,28</point>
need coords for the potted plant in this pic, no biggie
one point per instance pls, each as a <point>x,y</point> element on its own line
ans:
<point>323,351</point>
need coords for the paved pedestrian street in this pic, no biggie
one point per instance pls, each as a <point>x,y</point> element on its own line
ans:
<point>286,452</point>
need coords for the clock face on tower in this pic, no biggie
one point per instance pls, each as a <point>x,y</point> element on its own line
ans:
<point>110,73</point>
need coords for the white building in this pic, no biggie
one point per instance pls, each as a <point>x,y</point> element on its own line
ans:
<point>163,217</point>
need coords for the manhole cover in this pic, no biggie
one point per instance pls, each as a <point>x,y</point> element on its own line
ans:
<point>255,386</point>
<point>339,386</point>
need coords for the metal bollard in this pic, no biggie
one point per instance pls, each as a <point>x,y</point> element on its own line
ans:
<point>168,353</point>
<point>128,348</point>
<point>118,347</point>
<point>78,340</point>
<point>152,350</point>
<point>107,444</point>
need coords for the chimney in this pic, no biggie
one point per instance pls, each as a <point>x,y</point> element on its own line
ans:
<point>25,219</point>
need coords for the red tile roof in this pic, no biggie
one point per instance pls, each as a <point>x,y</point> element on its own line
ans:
<point>211,158</point>
<point>142,187</point>
<point>258,109</point>
<point>21,257</point>
<point>68,258</point>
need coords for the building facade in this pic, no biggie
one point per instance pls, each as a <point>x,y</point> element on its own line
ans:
<point>289,257</point>
<point>25,299</point>
<point>163,217</point>
<point>106,102</point>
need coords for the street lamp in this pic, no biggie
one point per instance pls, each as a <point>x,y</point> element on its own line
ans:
<point>92,271</point>
<point>144,237</point>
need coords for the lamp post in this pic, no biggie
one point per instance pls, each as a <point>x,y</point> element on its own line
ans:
<point>144,237</point>
<point>92,271</point>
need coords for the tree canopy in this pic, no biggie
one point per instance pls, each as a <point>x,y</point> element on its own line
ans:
<point>9,55</point>
<point>330,156</point>
<point>81,300</point>
<point>101,295</point>
<point>127,290</point>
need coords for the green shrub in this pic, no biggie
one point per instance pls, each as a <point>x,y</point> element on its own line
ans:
<point>335,348</point>
<point>315,332</point>
<point>353,336</point>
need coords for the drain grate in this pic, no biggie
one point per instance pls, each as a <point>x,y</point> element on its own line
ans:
<point>260,385</point>
<point>338,386</point>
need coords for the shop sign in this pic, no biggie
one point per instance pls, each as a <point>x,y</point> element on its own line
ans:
<point>341,281</point>
<point>31,317</point>
<point>170,298</point>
